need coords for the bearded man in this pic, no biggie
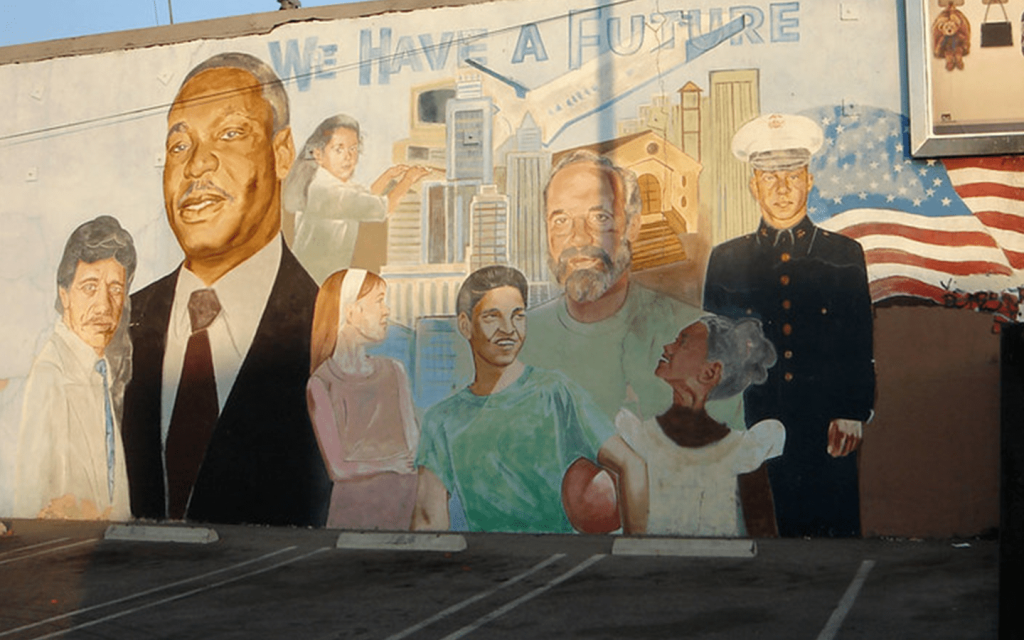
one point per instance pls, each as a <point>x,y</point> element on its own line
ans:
<point>605,332</point>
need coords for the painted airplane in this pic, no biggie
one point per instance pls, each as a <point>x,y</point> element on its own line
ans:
<point>594,86</point>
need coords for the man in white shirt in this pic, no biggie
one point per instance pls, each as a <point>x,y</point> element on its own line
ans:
<point>70,461</point>
<point>220,433</point>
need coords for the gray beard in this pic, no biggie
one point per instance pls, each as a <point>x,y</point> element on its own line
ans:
<point>588,285</point>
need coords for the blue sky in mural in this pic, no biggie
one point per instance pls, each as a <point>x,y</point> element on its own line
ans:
<point>36,20</point>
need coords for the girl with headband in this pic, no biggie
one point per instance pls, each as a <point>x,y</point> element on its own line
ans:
<point>361,407</point>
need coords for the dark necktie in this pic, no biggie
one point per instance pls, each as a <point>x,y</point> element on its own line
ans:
<point>195,407</point>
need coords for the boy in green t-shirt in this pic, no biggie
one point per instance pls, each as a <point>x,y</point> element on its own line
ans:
<point>504,443</point>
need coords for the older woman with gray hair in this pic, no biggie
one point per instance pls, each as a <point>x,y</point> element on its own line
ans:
<point>706,479</point>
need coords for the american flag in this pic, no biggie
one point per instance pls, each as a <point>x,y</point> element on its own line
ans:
<point>929,228</point>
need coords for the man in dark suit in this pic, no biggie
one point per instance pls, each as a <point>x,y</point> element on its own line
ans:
<point>215,421</point>
<point>809,288</point>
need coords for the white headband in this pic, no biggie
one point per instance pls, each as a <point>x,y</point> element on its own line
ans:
<point>350,286</point>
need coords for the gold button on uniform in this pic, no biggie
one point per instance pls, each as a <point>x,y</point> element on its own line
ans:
<point>786,304</point>
<point>784,280</point>
<point>788,355</point>
<point>824,311</point>
<point>787,329</point>
<point>788,377</point>
<point>786,257</point>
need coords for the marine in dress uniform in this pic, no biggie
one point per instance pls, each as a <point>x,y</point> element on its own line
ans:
<point>809,288</point>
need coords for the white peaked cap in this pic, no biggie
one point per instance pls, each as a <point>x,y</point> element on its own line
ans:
<point>777,142</point>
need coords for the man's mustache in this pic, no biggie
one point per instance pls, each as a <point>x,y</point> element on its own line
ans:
<point>203,187</point>
<point>106,322</point>
<point>596,253</point>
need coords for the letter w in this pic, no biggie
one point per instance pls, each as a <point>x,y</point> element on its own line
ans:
<point>294,65</point>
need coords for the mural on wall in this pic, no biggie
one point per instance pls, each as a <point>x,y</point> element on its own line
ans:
<point>618,264</point>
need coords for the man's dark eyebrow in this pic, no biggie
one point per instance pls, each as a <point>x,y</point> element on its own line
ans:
<point>177,127</point>
<point>229,117</point>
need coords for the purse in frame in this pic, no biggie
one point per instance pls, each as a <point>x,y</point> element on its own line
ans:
<point>996,34</point>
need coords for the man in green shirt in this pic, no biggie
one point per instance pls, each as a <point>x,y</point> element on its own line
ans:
<point>504,443</point>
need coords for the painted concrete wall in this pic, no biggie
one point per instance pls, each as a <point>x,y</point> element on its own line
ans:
<point>347,401</point>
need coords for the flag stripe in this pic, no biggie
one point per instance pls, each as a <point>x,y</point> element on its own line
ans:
<point>1000,220</point>
<point>1008,240</point>
<point>1002,205</point>
<point>895,286</point>
<point>989,189</point>
<point>925,250</point>
<point>1012,164</point>
<point>864,231</point>
<point>1016,258</point>
<point>921,274</point>
<point>851,217</point>
<point>962,268</point>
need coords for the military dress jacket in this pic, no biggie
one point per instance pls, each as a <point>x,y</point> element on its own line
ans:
<point>809,288</point>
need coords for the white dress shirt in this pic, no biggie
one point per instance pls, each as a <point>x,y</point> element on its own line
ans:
<point>243,293</point>
<point>62,448</point>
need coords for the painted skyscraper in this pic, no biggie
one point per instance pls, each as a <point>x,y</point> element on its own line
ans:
<point>735,98</point>
<point>489,215</point>
<point>527,173</point>
<point>470,162</point>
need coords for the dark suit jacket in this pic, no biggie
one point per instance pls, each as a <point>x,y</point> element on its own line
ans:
<point>263,464</point>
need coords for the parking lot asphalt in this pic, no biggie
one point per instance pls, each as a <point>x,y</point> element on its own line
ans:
<point>65,580</point>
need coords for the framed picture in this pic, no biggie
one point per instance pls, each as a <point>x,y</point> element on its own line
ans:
<point>965,74</point>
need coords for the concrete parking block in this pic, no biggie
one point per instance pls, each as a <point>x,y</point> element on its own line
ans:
<point>151,533</point>
<point>449,542</point>
<point>685,547</point>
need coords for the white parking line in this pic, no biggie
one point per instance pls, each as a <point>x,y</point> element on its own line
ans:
<point>846,603</point>
<point>478,597</point>
<point>518,601</point>
<point>46,551</point>
<point>179,596</point>
<point>32,546</point>
<point>144,593</point>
